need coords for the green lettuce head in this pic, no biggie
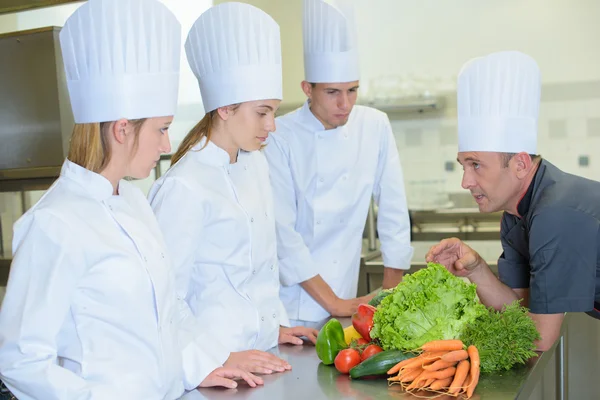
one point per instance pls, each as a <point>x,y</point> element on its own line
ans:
<point>431,304</point>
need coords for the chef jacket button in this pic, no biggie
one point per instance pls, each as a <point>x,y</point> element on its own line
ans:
<point>510,241</point>
<point>321,180</point>
<point>266,214</point>
<point>145,259</point>
<point>320,136</point>
<point>262,318</point>
<point>346,136</point>
<point>251,219</point>
<point>253,272</point>
<point>162,255</point>
<point>274,315</point>
<point>272,267</point>
<point>319,222</point>
<point>335,261</point>
<point>345,177</point>
<point>110,207</point>
<point>245,167</point>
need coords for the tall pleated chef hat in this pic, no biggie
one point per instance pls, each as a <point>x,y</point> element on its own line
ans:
<point>121,60</point>
<point>330,42</point>
<point>234,49</point>
<point>498,103</point>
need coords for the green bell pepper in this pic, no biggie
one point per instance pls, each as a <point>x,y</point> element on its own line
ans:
<point>330,341</point>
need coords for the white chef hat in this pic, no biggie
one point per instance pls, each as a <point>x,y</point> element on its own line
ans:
<point>234,49</point>
<point>330,43</point>
<point>121,60</point>
<point>498,103</point>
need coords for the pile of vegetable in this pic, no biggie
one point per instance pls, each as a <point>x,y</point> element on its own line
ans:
<point>431,304</point>
<point>443,367</point>
<point>430,333</point>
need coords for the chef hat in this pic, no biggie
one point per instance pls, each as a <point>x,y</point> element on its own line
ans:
<point>330,45</point>
<point>234,49</point>
<point>498,103</point>
<point>121,60</point>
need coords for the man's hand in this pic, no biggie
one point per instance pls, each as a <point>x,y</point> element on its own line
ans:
<point>258,362</point>
<point>345,308</point>
<point>226,377</point>
<point>456,256</point>
<point>292,335</point>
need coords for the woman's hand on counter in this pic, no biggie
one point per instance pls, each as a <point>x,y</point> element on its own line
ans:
<point>226,377</point>
<point>256,361</point>
<point>293,335</point>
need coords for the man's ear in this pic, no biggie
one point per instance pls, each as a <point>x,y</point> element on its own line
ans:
<point>522,164</point>
<point>307,88</point>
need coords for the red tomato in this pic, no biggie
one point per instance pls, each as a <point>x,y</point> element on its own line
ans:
<point>346,360</point>
<point>370,351</point>
<point>362,342</point>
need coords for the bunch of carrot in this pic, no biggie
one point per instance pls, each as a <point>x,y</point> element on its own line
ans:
<point>443,367</point>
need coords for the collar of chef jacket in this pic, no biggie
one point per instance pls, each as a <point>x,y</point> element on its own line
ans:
<point>98,187</point>
<point>313,124</point>
<point>212,154</point>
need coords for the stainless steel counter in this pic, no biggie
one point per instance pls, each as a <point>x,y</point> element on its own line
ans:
<point>310,379</point>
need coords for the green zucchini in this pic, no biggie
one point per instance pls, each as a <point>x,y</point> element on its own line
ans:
<point>379,364</point>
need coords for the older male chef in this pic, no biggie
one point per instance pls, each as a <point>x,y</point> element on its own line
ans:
<point>550,229</point>
<point>326,161</point>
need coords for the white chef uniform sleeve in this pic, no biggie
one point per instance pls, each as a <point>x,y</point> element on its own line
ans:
<point>393,224</point>
<point>180,218</point>
<point>296,264</point>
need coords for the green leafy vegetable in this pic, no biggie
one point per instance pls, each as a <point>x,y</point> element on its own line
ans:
<point>431,304</point>
<point>503,338</point>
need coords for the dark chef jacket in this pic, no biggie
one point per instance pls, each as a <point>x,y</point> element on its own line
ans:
<point>552,249</point>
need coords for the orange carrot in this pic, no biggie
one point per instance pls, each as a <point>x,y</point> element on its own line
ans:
<point>439,364</point>
<point>459,378</point>
<point>415,362</point>
<point>440,384</point>
<point>466,384</point>
<point>416,382</point>
<point>429,382</point>
<point>410,375</point>
<point>398,366</point>
<point>432,355</point>
<point>457,355</point>
<point>474,356</point>
<point>445,345</point>
<point>394,378</point>
<point>441,374</point>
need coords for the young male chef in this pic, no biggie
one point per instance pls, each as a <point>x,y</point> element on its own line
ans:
<point>327,160</point>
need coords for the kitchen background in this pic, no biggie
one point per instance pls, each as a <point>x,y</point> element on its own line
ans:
<point>411,53</point>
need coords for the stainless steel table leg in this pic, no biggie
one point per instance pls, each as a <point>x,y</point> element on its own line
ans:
<point>562,372</point>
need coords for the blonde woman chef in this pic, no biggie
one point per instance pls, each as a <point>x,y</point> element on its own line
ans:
<point>214,206</point>
<point>90,310</point>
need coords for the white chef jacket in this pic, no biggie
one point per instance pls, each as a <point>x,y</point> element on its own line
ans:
<point>323,181</point>
<point>218,222</point>
<point>90,310</point>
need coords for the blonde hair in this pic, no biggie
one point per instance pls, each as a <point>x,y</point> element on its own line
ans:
<point>89,144</point>
<point>203,129</point>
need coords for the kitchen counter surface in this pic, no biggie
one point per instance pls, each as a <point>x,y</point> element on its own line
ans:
<point>310,379</point>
